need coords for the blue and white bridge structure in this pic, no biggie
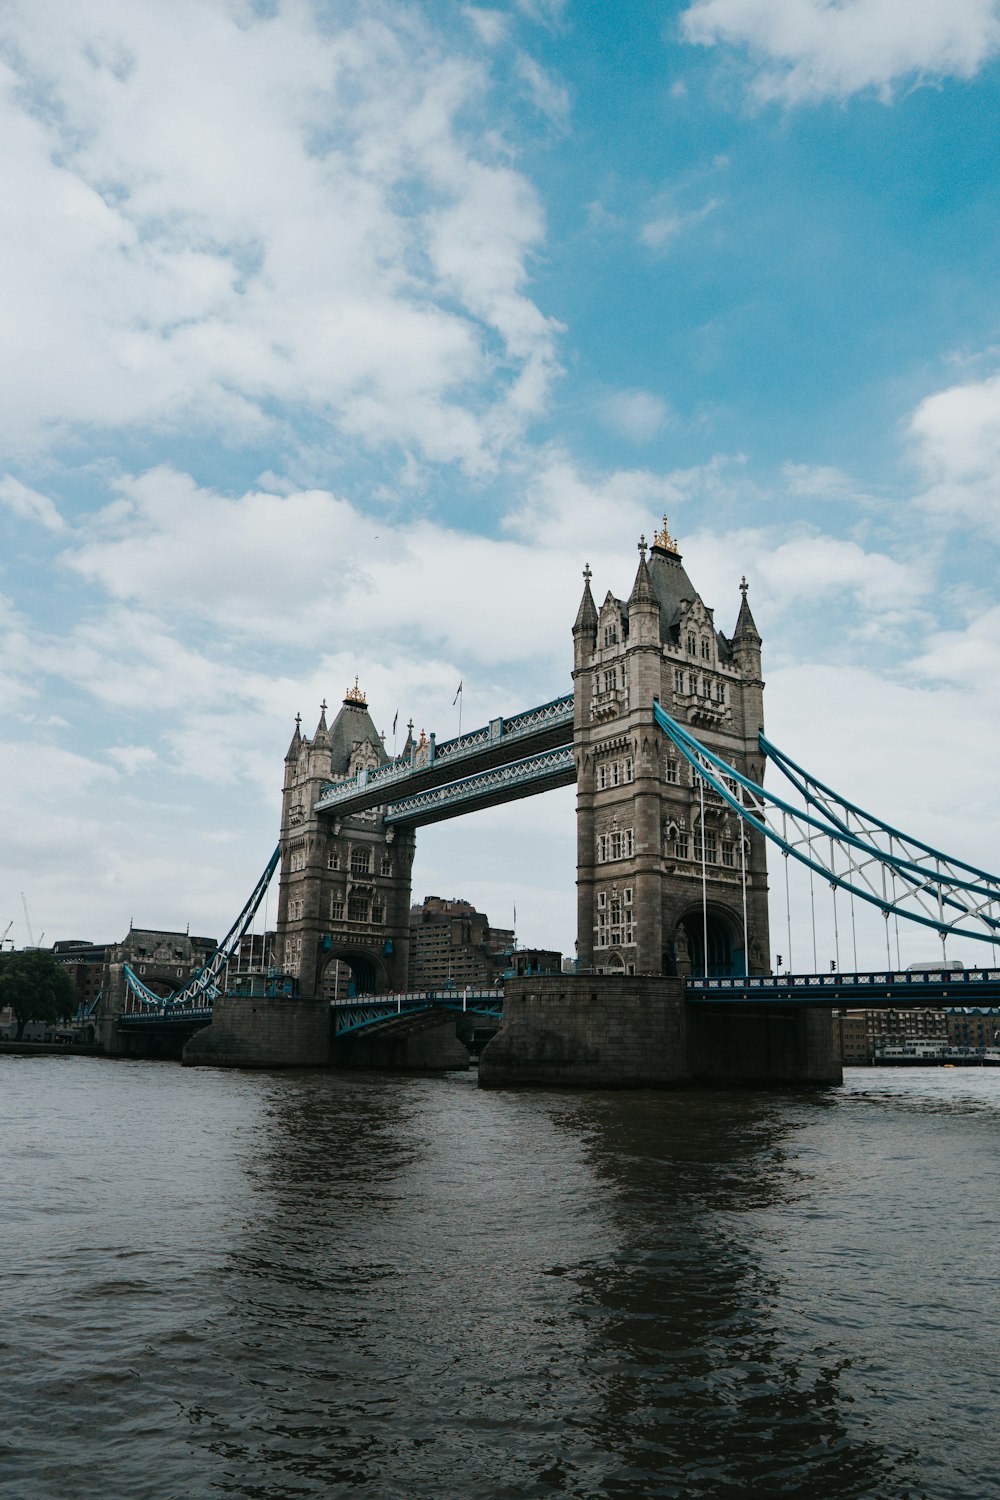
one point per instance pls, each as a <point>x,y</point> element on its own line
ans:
<point>849,851</point>
<point>849,855</point>
<point>195,1000</point>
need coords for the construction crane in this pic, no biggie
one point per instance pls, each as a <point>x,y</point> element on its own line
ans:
<point>27,922</point>
<point>4,939</point>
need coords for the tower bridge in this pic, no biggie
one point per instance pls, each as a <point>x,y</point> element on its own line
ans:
<point>663,735</point>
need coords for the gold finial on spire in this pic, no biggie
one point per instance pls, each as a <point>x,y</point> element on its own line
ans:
<point>355,696</point>
<point>664,541</point>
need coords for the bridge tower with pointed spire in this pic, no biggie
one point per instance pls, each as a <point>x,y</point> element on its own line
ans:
<point>667,882</point>
<point>344,893</point>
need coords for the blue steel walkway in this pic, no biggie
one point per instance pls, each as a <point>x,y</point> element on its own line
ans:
<point>878,990</point>
<point>370,1010</point>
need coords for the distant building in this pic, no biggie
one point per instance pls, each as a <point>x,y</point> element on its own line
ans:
<point>862,1032</point>
<point>163,960</point>
<point>86,965</point>
<point>526,961</point>
<point>453,944</point>
<point>974,1027</point>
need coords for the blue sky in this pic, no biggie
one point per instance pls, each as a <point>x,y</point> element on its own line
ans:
<point>339,338</point>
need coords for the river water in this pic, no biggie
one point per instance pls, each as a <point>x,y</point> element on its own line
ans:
<point>315,1284</point>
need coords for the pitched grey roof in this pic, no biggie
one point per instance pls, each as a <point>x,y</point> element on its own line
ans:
<point>352,725</point>
<point>672,588</point>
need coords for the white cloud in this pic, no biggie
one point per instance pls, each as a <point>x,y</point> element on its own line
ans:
<point>636,415</point>
<point>133,758</point>
<point>805,50</point>
<point>28,504</point>
<point>965,658</point>
<point>956,433</point>
<point>548,96</point>
<point>660,231</point>
<point>491,26</point>
<point>313,227</point>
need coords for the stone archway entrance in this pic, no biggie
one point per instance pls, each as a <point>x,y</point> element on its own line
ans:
<point>352,972</point>
<point>725,954</point>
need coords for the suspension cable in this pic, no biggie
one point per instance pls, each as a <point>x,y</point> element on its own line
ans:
<point>743,872</point>
<point>704,874</point>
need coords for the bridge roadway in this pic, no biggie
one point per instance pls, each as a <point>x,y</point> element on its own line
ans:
<point>882,989</point>
<point>505,759</point>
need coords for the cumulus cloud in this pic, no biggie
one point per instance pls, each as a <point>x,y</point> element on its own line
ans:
<point>549,97</point>
<point>309,226</point>
<point>28,504</point>
<point>956,434</point>
<point>636,415</point>
<point>133,758</point>
<point>659,232</point>
<point>805,50</point>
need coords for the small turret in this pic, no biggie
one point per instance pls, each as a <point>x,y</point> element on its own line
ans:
<point>296,742</point>
<point>642,589</point>
<point>322,735</point>
<point>746,631</point>
<point>586,616</point>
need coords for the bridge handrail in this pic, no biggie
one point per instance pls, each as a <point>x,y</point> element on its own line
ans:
<point>501,729</point>
<point>875,979</point>
<point>418,997</point>
<point>512,774</point>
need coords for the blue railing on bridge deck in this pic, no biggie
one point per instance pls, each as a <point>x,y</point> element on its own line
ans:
<point>500,730</point>
<point>169,1016</point>
<point>957,988</point>
<point>366,1010</point>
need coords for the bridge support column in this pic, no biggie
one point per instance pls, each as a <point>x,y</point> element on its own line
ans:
<point>606,1031</point>
<point>258,1032</point>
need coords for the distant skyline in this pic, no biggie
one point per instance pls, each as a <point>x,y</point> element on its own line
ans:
<point>338,339</point>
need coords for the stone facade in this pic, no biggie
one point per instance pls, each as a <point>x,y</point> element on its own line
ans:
<point>345,881</point>
<point>641,816</point>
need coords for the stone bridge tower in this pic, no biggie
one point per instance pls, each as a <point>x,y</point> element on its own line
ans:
<point>345,881</point>
<point>640,835</point>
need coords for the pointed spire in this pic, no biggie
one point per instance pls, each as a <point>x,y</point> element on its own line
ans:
<point>322,733</point>
<point>408,747</point>
<point>296,743</point>
<point>586,615</point>
<point>642,589</point>
<point>746,630</point>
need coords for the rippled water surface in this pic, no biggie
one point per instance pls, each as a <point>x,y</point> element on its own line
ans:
<point>283,1285</point>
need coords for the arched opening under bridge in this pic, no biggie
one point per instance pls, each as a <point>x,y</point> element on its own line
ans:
<point>349,972</point>
<point>725,954</point>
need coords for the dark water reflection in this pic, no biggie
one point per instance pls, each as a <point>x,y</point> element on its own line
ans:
<point>311,1285</point>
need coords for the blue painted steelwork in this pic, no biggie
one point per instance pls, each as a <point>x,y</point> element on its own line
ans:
<point>500,731</point>
<point>853,858</point>
<point>882,989</point>
<point>371,1010</point>
<point>536,773</point>
<point>204,985</point>
<point>165,1018</point>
